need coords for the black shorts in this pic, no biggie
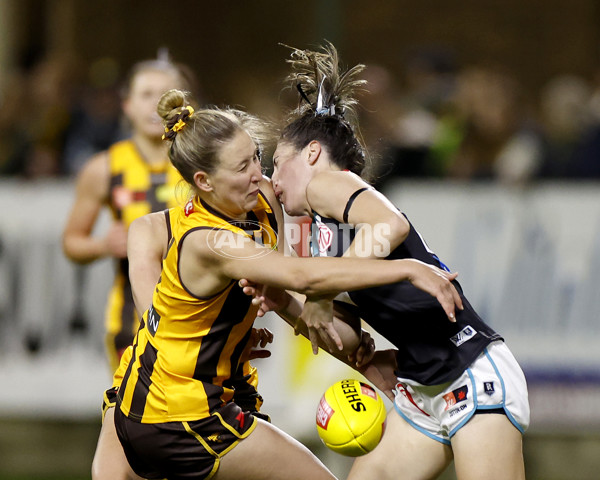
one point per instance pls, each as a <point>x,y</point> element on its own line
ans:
<point>109,400</point>
<point>182,450</point>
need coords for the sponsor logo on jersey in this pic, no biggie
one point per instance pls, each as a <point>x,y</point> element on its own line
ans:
<point>325,238</point>
<point>121,196</point>
<point>153,320</point>
<point>324,414</point>
<point>455,396</point>
<point>463,336</point>
<point>488,387</point>
<point>164,193</point>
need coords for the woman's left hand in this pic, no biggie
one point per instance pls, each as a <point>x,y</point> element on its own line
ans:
<point>364,352</point>
<point>380,371</point>
<point>258,337</point>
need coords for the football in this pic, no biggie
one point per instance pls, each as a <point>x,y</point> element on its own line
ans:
<point>351,418</point>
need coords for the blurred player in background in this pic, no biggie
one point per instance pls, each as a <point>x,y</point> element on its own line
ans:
<point>132,178</point>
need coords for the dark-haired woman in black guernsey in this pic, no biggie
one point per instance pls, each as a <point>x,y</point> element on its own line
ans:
<point>458,391</point>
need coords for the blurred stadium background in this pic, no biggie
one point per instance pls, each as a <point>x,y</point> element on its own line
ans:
<point>483,123</point>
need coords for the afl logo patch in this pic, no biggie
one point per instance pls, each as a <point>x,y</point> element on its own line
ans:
<point>189,208</point>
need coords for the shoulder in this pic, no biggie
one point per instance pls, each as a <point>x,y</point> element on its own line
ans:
<point>148,233</point>
<point>329,191</point>
<point>96,165</point>
<point>152,224</point>
<point>266,188</point>
<point>95,174</point>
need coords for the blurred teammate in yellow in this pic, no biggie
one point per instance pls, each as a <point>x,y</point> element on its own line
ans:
<point>132,178</point>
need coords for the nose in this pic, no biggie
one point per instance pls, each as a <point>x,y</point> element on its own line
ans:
<point>257,173</point>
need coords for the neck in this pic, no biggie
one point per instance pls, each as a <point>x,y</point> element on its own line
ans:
<point>213,206</point>
<point>153,150</point>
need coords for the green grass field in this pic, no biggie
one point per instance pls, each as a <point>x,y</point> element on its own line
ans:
<point>47,449</point>
<point>63,450</point>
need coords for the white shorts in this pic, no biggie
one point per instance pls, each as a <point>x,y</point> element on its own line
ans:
<point>494,382</point>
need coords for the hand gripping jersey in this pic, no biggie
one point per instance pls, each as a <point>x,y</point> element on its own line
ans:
<point>186,356</point>
<point>136,188</point>
<point>431,349</point>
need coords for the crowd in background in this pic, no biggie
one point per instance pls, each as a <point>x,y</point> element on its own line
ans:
<point>437,119</point>
<point>478,123</point>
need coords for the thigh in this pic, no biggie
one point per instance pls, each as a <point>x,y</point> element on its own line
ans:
<point>109,459</point>
<point>403,452</point>
<point>270,453</point>
<point>183,450</point>
<point>488,446</point>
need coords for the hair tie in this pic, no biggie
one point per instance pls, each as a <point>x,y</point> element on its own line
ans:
<point>302,94</point>
<point>177,123</point>
<point>323,109</point>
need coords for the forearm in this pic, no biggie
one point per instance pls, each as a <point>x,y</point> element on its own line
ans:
<point>347,274</point>
<point>83,249</point>
<point>347,326</point>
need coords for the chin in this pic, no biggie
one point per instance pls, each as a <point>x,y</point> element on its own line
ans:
<point>291,212</point>
<point>252,203</point>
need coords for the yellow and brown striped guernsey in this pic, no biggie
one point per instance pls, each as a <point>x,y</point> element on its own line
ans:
<point>136,188</point>
<point>188,350</point>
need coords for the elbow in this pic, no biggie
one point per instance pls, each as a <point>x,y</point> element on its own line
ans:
<point>301,283</point>
<point>299,280</point>
<point>68,249</point>
<point>398,230</point>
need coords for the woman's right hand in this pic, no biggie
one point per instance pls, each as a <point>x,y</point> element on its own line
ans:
<point>438,283</point>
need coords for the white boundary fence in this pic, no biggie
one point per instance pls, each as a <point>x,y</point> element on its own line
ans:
<point>528,259</point>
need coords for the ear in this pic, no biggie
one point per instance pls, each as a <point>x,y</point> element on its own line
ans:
<point>126,108</point>
<point>314,151</point>
<point>202,181</point>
